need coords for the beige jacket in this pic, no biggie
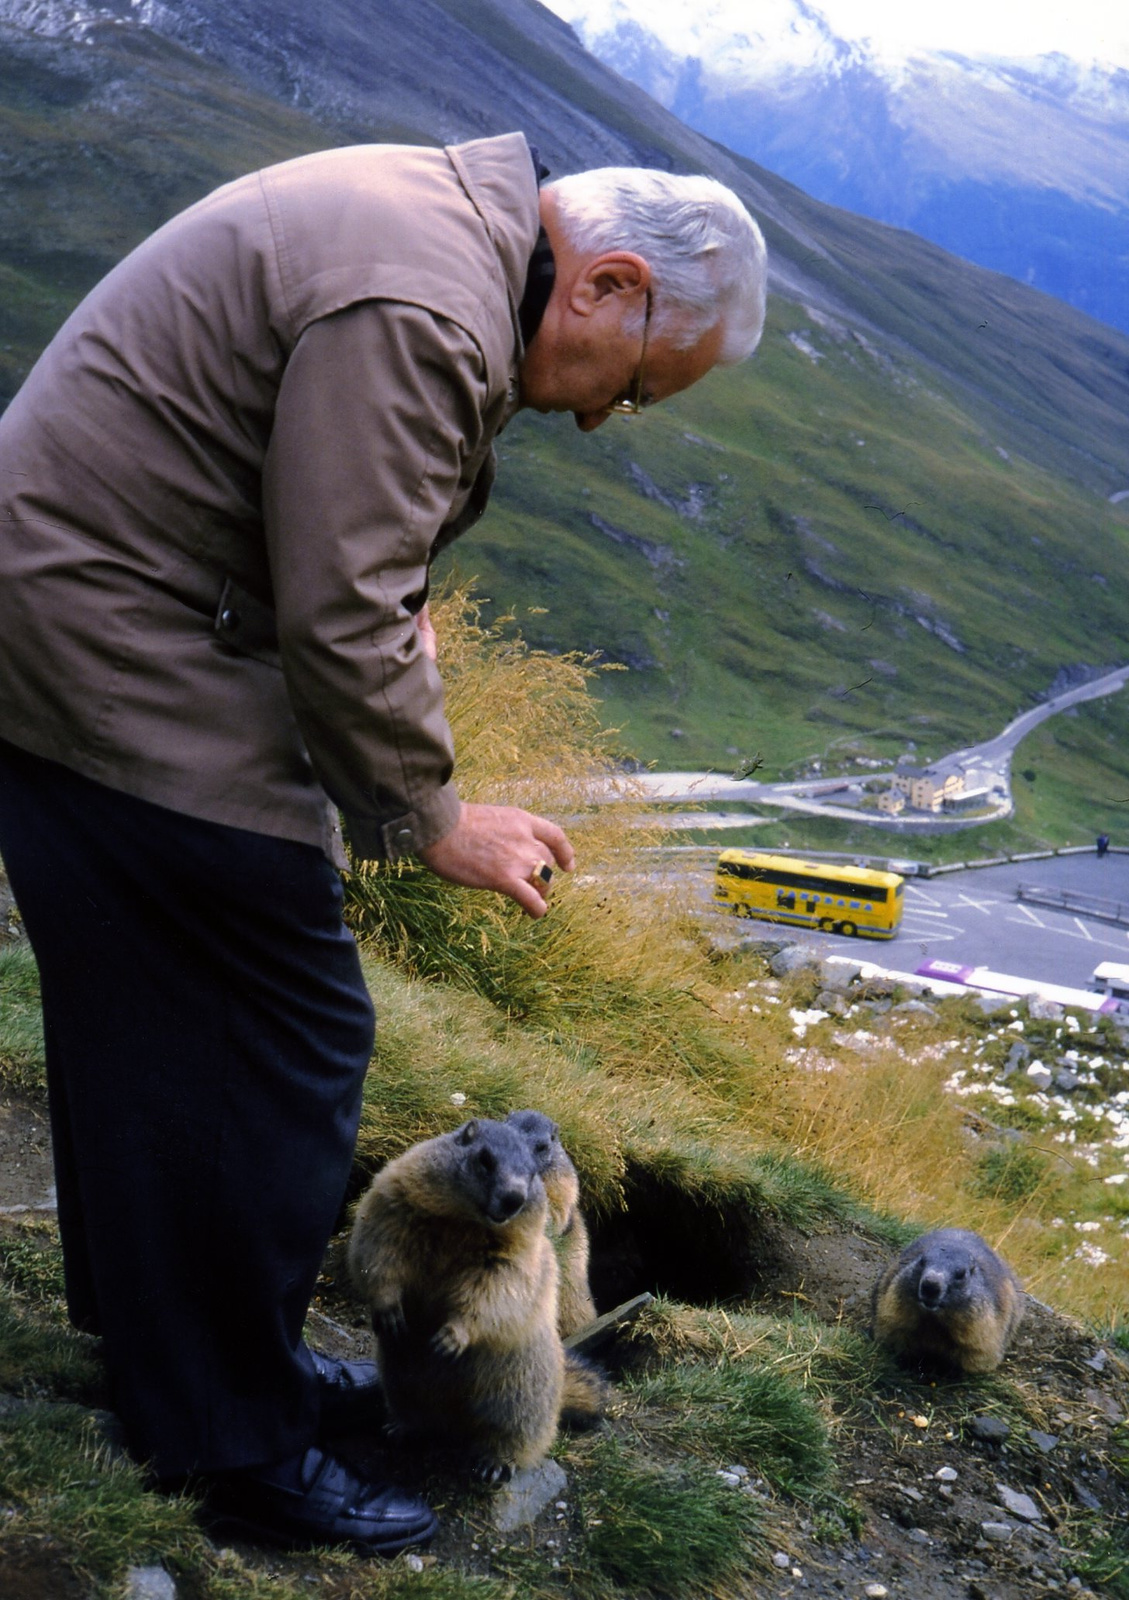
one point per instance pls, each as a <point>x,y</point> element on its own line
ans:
<point>222,485</point>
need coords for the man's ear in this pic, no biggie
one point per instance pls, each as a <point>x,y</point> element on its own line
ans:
<point>616,273</point>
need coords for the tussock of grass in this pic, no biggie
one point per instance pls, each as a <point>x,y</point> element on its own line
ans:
<point>68,1486</point>
<point>1102,1558</point>
<point>739,1411</point>
<point>37,1356</point>
<point>661,1530</point>
<point>31,1261</point>
<point>21,1021</point>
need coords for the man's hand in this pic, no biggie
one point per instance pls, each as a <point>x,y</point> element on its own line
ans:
<point>499,847</point>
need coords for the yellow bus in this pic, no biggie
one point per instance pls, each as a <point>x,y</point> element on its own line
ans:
<point>810,894</point>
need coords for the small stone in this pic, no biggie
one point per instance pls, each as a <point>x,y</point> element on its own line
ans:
<point>782,1560</point>
<point>990,1430</point>
<point>1045,1442</point>
<point>946,1474</point>
<point>1083,1496</point>
<point>149,1583</point>
<point>1066,1081</point>
<point>918,1536</point>
<point>1039,1075</point>
<point>730,1479</point>
<point>1097,1362</point>
<point>1000,1532</point>
<point>738,1471</point>
<point>876,1591</point>
<point>911,1494</point>
<point>414,1563</point>
<point>527,1494</point>
<point>1018,1505</point>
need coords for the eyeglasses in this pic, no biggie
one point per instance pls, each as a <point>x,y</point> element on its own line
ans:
<point>634,402</point>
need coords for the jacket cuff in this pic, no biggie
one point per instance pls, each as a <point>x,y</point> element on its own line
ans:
<point>373,839</point>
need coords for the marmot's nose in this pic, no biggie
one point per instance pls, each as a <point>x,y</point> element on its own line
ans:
<point>930,1289</point>
<point>508,1203</point>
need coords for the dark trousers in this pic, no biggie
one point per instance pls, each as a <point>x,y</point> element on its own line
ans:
<point>207,1035</point>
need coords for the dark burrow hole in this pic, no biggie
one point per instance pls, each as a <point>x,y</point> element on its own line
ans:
<point>670,1243</point>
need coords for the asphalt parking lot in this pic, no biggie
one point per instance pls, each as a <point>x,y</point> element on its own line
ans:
<point>973,917</point>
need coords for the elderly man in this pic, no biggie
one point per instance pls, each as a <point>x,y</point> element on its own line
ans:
<point>221,489</point>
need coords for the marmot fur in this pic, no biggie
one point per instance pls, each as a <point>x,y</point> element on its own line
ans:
<point>948,1298</point>
<point>449,1249</point>
<point>567,1228</point>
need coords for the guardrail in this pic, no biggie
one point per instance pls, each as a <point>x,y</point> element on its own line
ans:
<point>1089,905</point>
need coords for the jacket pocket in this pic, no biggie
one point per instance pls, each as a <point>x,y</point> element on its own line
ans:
<point>247,625</point>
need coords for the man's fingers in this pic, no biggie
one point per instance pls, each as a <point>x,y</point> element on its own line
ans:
<point>556,840</point>
<point>529,899</point>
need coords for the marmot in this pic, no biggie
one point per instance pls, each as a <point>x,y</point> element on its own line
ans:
<point>449,1248</point>
<point>567,1228</point>
<point>948,1298</point>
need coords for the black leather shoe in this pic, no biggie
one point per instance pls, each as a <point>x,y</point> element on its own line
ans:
<point>352,1396</point>
<point>316,1499</point>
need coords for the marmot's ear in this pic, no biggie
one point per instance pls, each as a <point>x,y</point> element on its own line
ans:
<point>468,1133</point>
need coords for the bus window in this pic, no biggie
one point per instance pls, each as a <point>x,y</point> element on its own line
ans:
<point>786,898</point>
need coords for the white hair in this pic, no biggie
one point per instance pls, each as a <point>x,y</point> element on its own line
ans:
<point>706,254</point>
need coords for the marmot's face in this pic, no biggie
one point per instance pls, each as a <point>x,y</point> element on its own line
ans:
<point>499,1170</point>
<point>943,1284</point>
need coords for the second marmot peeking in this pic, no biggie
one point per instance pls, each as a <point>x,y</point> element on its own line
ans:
<point>449,1248</point>
<point>949,1298</point>
<point>567,1228</point>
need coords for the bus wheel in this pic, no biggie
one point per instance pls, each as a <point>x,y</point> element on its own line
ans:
<point>826,925</point>
<point>848,928</point>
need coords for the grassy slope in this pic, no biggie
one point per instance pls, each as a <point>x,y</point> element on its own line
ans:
<point>784,618</point>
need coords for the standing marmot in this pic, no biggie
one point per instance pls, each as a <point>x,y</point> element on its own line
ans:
<point>948,1297</point>
<point>567,1227</point>
<point>449,1249</point>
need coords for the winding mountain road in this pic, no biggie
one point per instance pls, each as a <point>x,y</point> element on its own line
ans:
<point>986,765</point>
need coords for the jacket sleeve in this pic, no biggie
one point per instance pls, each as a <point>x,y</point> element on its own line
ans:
<point>379,411</point>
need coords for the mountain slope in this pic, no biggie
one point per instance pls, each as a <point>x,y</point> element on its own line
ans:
<point>892,526</point>
<point>1019,165</point>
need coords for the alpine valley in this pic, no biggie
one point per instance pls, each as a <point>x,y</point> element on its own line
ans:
<point>899,523</point>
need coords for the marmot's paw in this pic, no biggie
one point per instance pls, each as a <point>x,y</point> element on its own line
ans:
<point>451,1340</point>
<point>388,1321</point>
<point>493,1472</point>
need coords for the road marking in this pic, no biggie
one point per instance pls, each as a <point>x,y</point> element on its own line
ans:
<point>1027,912</point>
<point>1086,934</point>
<point>920,894</point>
<point>920,911</point>
<point>977,905</point>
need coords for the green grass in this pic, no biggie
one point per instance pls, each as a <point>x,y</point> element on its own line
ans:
<point>743,1413</point>
<point>1102,1559</point>
<point>68,1486</point>
<point>31,1261</point>
<point>39,1356</point>
<point>659,1529</point>
<point>21,1020</point>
